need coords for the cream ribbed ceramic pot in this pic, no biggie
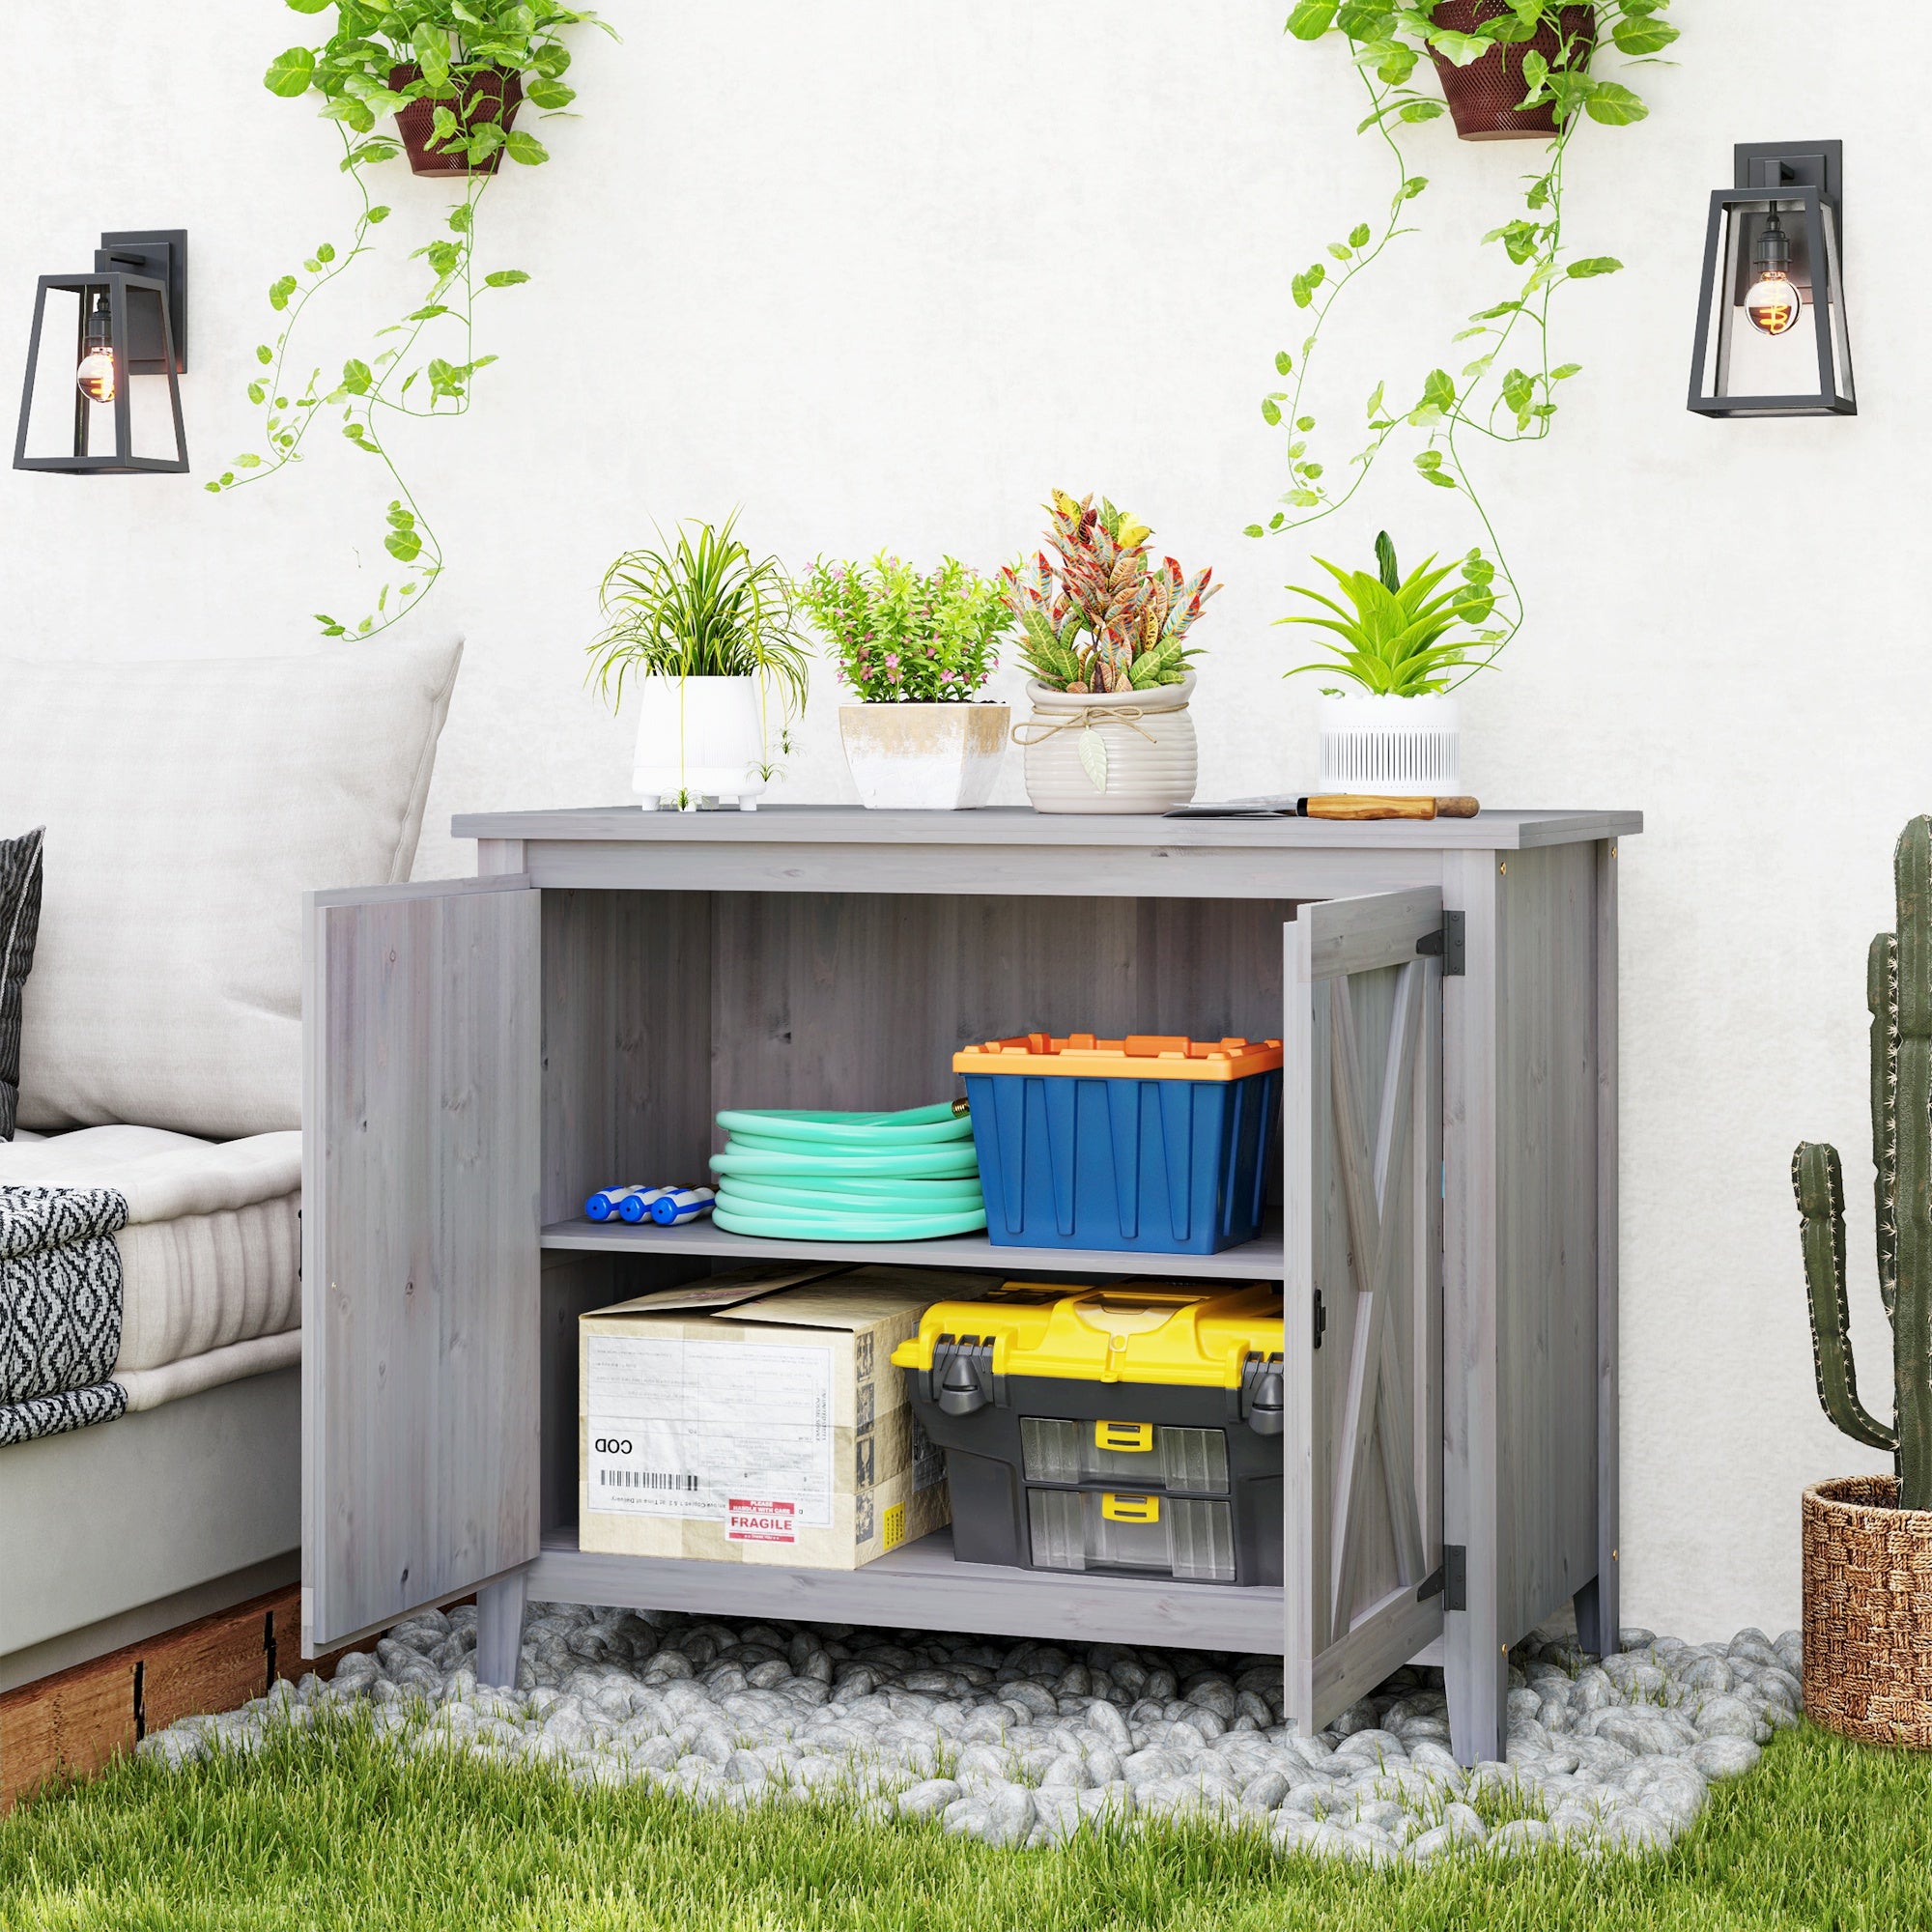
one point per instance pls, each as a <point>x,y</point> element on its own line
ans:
<point>1140,756</point>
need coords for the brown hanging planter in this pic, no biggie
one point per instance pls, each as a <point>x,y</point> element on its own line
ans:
<point>1867,1612</point>
<point>494,93</point>
<point>1483,96</point>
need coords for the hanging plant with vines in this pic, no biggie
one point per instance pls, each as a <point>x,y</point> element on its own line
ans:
<point>1507,389</point>
<point>462,68</point>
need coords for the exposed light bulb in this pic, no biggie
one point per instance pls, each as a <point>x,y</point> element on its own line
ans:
<point>94,377</point>
<point>1772,304</point>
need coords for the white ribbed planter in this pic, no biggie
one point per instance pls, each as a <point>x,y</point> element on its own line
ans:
<point>1149,737</point>
<point>1398,746</point>
<point>699,738</point>
<point>923,757</point>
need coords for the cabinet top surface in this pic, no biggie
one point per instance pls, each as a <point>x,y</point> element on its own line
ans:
<point>1022,826</point>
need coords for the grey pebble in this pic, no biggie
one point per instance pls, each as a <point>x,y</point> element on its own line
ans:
<point>1637,1830</point>
<point>1520,1836</point>
<point>1309,1835</point>
<point>922,1800</point>
<point>1727,1717</point>
<point>1719,1758</point>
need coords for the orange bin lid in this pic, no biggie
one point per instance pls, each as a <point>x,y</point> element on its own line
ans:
<point>1141,1056</point>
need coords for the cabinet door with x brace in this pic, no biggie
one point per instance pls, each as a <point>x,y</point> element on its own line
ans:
<point>1361,1105</point>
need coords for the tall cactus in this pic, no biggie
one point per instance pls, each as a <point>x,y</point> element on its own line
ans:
<point>1898,990</point>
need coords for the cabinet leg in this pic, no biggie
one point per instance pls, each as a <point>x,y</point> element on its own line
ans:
<point>1475,1677</point>
<point>1597,1616</point>
<point>499,1631</point>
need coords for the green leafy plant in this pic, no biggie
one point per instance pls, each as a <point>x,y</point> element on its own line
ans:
<point>702,606</point>
<point>464,53</point>
<point>1390,639</point>
<point>1507,391</point>
<point>1395,40</point>
<point>1103,617</point>
<point>905,636</point>
<point>1898,993</point>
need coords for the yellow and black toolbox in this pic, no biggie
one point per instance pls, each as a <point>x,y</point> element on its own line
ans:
<point>1133,1429</point>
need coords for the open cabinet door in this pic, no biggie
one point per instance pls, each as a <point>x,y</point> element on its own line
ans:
<point>420,1423</point>
<point>1362,1222</point>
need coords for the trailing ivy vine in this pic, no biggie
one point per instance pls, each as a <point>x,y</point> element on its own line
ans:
<point>1507,393</point>
<point>454,53</point>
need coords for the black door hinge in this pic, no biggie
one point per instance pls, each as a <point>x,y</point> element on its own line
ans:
<point>1448,945</point>
<point>1449,1581</point>
<point>1320,1318</point>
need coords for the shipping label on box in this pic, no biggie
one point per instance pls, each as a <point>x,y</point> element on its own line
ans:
<point>686,1428</point>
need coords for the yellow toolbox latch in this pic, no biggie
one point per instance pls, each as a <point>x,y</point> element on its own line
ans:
<point>1133,1436</point>
<point>1118,1508</point>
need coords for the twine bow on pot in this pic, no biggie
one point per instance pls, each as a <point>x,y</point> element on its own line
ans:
<point>1090,746</point>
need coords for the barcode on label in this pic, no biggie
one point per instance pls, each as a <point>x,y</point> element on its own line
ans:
<point>645,1479</point>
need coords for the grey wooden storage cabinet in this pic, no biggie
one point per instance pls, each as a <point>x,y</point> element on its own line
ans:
<point>482,1053</point>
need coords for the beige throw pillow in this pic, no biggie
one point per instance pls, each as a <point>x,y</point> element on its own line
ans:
<point>189,804</point>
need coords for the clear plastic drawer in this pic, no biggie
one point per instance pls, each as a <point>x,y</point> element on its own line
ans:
<point>1188,1538</point>
<point>1149,1455</point>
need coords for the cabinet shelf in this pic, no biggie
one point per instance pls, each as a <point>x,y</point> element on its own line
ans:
<point>922,1587</point>
<point>1259,1259</point>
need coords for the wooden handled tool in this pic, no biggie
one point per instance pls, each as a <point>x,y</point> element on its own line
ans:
<point>1352,805</point>
<point>1330,805</point>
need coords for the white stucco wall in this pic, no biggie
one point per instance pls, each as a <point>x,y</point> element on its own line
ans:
<point>885,273</point>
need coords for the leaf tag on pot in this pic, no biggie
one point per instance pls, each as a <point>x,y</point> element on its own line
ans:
<point>1093,757</point>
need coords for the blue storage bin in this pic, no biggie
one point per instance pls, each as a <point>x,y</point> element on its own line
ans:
<point>1156,1144</point>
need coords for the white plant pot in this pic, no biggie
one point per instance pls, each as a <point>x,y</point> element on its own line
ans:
<point>1397,747</point>
<point>699,738</point>
<point>1146,736</point>
<point>923,757</point>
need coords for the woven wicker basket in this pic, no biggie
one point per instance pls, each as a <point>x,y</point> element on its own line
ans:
<point>1868,1612</point>
<point>1483,96</point>
<point>494,94</point>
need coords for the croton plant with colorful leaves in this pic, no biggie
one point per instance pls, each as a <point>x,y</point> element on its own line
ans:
<point>1101,615</point>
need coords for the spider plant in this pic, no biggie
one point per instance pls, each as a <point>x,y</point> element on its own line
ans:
<point>1397,641</point>
<point>700,605</point>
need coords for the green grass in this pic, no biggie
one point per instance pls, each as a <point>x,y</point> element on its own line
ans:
<point>336,1831</point>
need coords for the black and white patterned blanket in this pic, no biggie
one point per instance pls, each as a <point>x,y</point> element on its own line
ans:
<point>60,1310</point>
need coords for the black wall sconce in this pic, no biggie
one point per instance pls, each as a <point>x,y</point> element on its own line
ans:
<point>131,320</point>
<point>1772,339</point>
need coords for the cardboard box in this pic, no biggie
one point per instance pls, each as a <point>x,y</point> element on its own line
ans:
<point>751,1419</point>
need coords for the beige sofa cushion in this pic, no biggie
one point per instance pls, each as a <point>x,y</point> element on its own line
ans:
<point>189,804</point>
<point>212,1252</point>
<point>211,1258</point>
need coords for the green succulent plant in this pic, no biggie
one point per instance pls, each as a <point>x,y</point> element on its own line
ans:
<point>1396,635</point>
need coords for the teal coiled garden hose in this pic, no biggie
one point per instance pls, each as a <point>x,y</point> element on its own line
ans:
<point>822,1177</point>
<point>915,1127</point>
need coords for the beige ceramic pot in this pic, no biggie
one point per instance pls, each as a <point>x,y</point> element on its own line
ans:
<point>1103,752</point>
<point>923,757</point>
